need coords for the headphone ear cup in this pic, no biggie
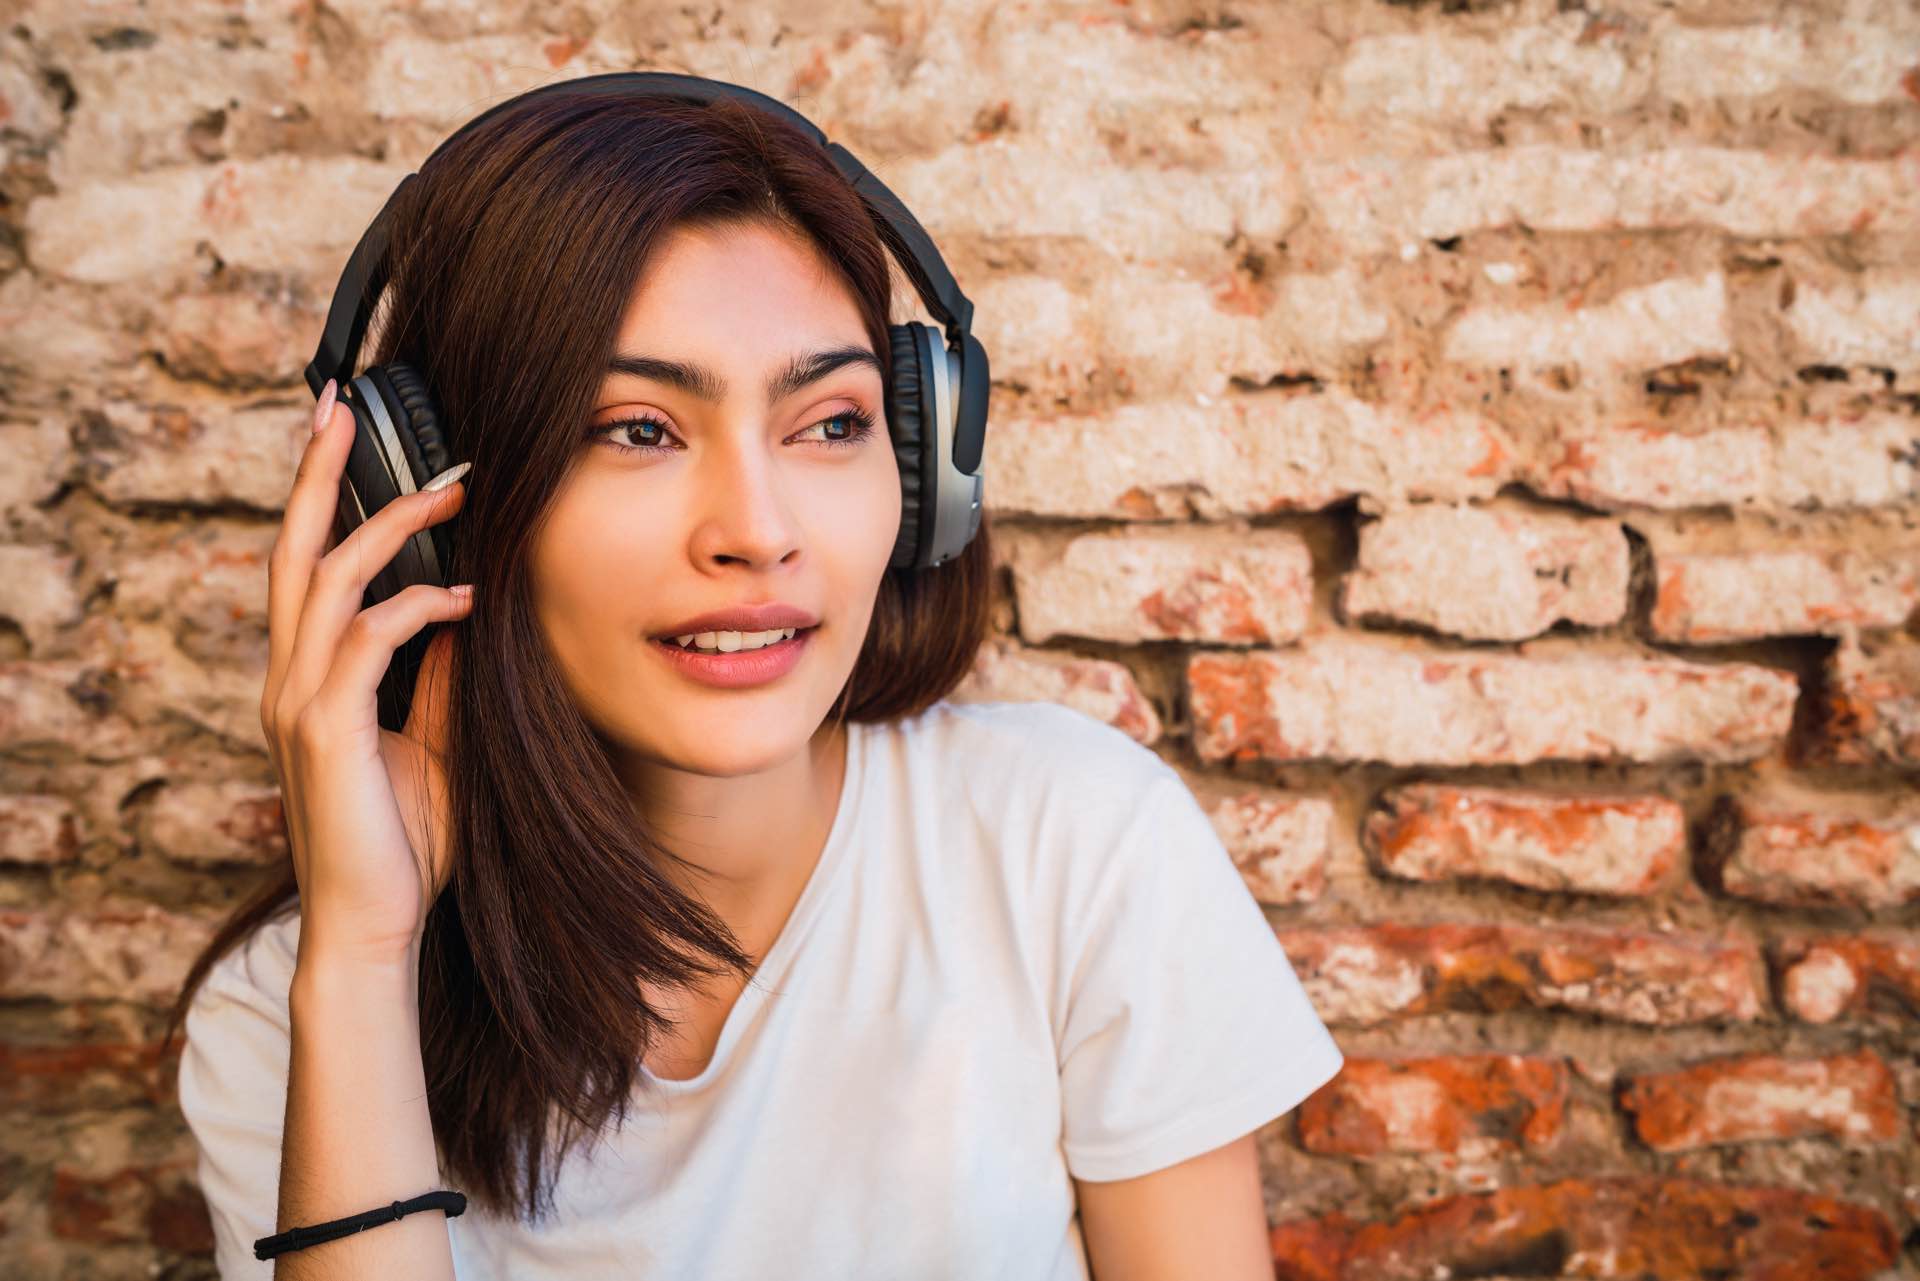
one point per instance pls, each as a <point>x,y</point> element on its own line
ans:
<point>396,436</point>
<point>909,419</point>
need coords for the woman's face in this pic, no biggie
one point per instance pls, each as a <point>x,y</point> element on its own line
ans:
<point>726,497</point>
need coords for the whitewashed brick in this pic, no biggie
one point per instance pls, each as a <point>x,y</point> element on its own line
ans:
<point>1488,573</point>
<point>1226,585</point>
<point>1281,842</point>
<point>38,829</point>
<point>1006,671</point>
<point>1348,698</point>
<point>1855,62</point>
<point>1377,202</point>
<point>1005,188</point>
<point>207,582</point>
<point>1831,461</point>
<point>1241,456</point>
<point>1638,328</point>
<point>135,952</point>
<point>1466,80</point>
<point>39,591</point>
<point>211,822</point>
<point>1159,332</point>
<point>195,450</point>
<point>1872,321</point>
<point>261,214</point>
<point>1710,597</point>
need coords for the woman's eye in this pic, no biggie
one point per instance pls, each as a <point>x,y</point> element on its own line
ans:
<point>650,435</point>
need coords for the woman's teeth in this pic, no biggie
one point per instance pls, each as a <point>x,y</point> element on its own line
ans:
<point>729,642</point>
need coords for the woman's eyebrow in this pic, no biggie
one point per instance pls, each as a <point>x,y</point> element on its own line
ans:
<point>698,380</point>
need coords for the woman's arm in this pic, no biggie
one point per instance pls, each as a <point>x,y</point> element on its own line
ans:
<point>358,1135</point>
<point>1202,1218</point>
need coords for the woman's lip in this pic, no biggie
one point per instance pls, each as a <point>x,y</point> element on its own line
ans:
<point>742,667</point>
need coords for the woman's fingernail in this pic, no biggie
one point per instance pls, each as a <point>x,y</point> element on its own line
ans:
<point>446,477</point>
<point>323,411</point>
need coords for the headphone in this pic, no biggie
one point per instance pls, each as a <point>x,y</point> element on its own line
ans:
<point>936,408</point>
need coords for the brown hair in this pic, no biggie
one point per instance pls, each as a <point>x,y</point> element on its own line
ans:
<point>514,256</point>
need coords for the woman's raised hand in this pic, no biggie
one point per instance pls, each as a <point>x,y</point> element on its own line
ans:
<point>365,807</point>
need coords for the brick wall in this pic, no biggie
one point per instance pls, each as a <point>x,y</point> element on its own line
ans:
<point>1477,443</point>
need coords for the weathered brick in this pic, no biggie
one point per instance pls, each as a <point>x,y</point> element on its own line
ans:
<point>38,829</point>
<point>257,214</point>
<point>1854,461</point>
<point>1593,844</point>
<point>1475,1106</point>
<point>38,591</point>
<point>99,1074</point>
<point>1638,328</point>
<point>38,459</point>
<point>1367,974</point>
<point>126,953</point>
<point>1242,456</point>
<point>1379,200</point>
<point>1627,1228</point>
<point>62,705</point>
<point>1006,671</point>
<point>1825,977</point>
<point>1874,320</point>
<point>1869,706</point>
<point>1345,698</point>
<point>149,1204</point>
<point>1785,851</point>
<point>1708,597</point>
<point>1857,62</point>
<point>163,688</point>
<point>208,582</point>
<point>1278,840</point>
<point>1226,585</point>
<point>1467,80</point>
<point>235,337</point>
<point>1851,1097</point>
<point>216,822</point>
<point>1005,187</point>
<point>195,451</point>
<point>437,81</point>
<point>1155,334</point>
<point>1487,573</point>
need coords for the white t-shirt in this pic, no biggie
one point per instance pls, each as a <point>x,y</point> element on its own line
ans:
<point>1023,955</point>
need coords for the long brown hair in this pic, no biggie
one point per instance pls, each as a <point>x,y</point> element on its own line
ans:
<point>514,258</point>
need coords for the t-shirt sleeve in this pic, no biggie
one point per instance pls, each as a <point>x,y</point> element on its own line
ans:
<point>233,1093</point>
<point>1185,1025</point>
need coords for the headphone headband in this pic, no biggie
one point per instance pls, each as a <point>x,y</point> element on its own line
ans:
<point>353,299</point>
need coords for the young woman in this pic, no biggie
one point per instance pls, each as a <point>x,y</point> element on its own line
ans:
<point>770,964</point>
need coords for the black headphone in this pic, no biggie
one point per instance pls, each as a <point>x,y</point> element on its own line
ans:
<point>936,409</point>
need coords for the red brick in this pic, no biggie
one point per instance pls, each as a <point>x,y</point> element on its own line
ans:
<point>1371,973</point>
<point>1347,698</point>
<point>1870,709</point>
<point>1823,978</point>
<point>156,1205</point>
<point>62,1078</point>
<point>1617,845</point>
<point>1627,1228</point>
<point>1779,851</point>
<point>1476,1105</point>
<point>1851,1097</point>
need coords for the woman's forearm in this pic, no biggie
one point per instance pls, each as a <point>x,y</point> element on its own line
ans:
<point>358,1135</point>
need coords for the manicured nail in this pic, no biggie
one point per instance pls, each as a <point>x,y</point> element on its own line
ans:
<point>461,589</point>
<point>446,477</point>
<point>323,411</point>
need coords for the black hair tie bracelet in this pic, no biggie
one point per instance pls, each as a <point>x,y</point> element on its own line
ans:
<point>300,1238</point>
